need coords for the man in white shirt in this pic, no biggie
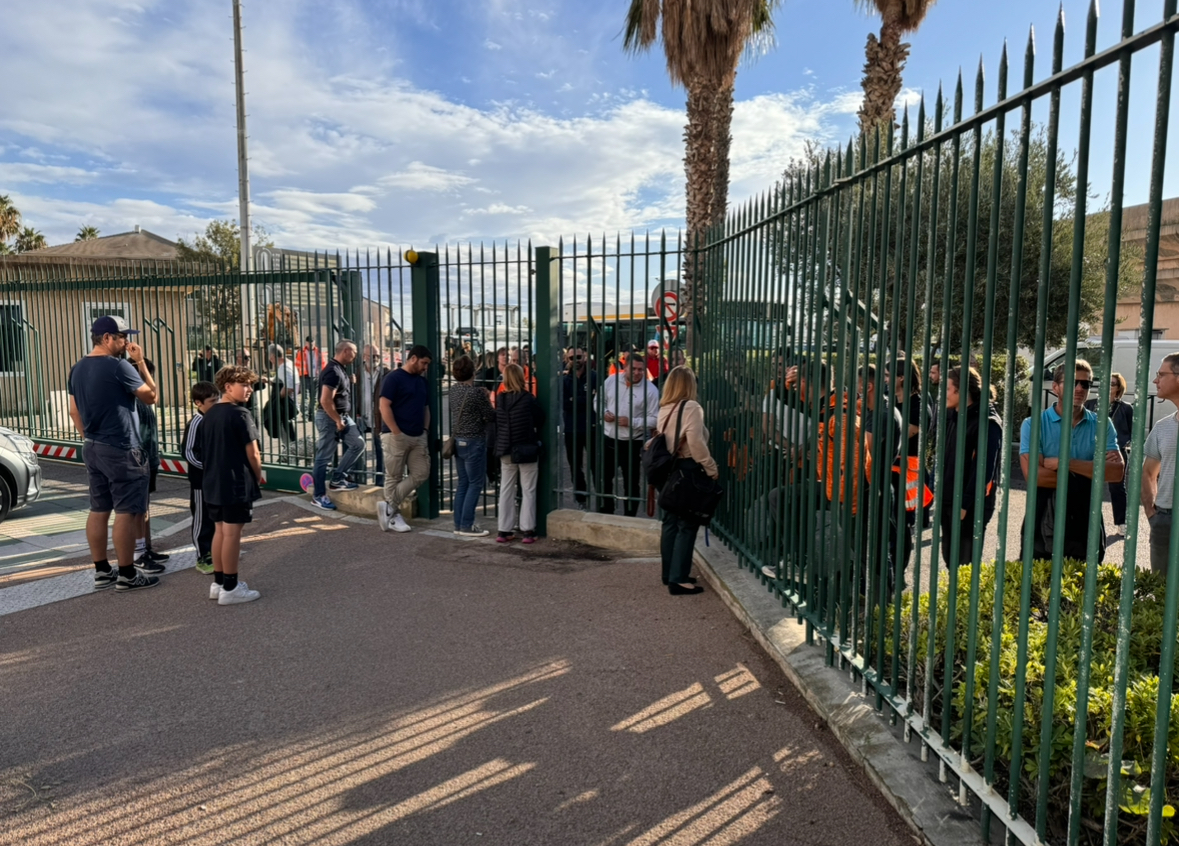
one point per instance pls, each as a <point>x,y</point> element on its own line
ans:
<point>284,400</point>
<point>628,406</point>
<point>1158,467</point>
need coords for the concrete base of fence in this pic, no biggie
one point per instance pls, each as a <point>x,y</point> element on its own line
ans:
<point>634,534</point>
<point>363,502</point>
<point>909,784</point>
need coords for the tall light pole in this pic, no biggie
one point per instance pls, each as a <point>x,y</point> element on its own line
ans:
<point>243,173</point>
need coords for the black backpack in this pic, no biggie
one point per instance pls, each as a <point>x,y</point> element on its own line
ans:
<point>658,460</point>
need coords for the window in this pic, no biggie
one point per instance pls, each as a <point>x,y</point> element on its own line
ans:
<point>12,338</point>
<point>93,311</point>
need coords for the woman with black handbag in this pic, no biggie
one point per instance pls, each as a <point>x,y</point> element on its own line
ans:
<point>687,440</point>
<point>518,420</point>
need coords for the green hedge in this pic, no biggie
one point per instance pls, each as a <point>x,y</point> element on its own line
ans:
<point>1141,695</point>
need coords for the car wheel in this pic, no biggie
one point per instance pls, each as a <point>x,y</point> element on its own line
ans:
<point>7,498</point>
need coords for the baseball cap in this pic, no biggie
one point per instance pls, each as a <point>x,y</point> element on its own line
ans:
<point>111,324</point>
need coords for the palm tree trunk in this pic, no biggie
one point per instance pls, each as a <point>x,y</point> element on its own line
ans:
<point>723,137</point>
<point>884,65</point>
<point>707,137</point>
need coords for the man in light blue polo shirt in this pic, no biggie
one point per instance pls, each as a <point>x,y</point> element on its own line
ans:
<point>1082,454</point>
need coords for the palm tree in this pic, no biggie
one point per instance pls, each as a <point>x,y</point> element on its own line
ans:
<point>87,233</point>
<point>30,239</point>
<point>9,219</point>
<point>885,58</point>
<point>703,41</point>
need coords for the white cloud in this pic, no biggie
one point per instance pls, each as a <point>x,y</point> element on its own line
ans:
<point>344,150</point>
<point>498,208</point>
<point>491,45</point>
<point>16,173</point>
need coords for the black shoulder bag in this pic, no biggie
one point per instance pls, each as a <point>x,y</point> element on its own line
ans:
<point>690,492</point>
<point>658,460</point>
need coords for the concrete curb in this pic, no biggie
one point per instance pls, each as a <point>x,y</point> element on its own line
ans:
<point>606,531</point>
<point>894,766</point>
<point>363,501</point>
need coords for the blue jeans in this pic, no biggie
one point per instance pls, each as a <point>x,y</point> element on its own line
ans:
<point>471,456</point>
<point>325,450</point>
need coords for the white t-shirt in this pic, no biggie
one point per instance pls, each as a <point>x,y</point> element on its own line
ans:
<point>1160,445</point>
<point>286,375</point>
<point>796,427</point>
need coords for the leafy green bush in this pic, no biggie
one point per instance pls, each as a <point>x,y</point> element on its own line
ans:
<point>1143,664</point>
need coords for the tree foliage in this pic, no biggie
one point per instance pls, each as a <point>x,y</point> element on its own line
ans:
<point>86,233</point>
<point>885,262</point>
<point>220,244</point>
<point>217,306</point>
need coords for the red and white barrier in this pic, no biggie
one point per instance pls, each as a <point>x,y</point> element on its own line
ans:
<point>167,465</point>
<point>172,465</point>
<point>51,451</point>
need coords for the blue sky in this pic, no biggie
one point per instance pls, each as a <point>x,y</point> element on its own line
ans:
<point>412,121</point>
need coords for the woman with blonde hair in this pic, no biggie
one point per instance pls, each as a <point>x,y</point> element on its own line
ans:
<point>518,420</point>
<point>678,409</point>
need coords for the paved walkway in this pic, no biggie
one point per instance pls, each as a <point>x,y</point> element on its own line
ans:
<point>38,540</point>
<point>413,689</point>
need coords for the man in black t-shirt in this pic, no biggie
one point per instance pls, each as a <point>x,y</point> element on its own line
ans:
<point>103,388</point>
<point>335,423</point>
<point>232,479</point>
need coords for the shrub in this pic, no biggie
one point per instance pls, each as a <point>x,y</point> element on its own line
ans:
<point>1141,694</point>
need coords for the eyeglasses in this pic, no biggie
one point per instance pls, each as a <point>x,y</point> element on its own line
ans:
<point>1081,383</point>
<point>1163,373</point>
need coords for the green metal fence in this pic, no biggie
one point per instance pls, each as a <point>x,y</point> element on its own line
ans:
<point>1046,687</point>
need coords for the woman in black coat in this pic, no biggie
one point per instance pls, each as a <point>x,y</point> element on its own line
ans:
<point>972,397</point>
<point>518,420</point>
<point>1121,414</point>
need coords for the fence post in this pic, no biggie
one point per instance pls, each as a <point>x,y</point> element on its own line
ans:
<point>424,281</point>
<point>548,357</point>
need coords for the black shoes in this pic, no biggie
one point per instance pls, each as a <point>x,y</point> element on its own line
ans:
<point>123,584</point>
<point>679,590</point>
<point>148,567</point>
<point>152,555</point>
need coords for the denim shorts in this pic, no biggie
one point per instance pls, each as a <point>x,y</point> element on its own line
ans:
<point>118,478</point>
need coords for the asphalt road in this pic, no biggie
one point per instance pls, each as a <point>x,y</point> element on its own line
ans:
<point>413,689</point>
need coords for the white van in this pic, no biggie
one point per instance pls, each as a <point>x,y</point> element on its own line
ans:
<point>1125,361</point>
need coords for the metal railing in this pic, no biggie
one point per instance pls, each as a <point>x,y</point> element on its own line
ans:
<point>1045,686</point>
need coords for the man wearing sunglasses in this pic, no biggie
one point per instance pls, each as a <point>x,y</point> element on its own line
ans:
<point>1082,454</point>
<point>103,388</point>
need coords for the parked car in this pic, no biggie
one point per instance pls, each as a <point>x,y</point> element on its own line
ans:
<point>20,473</point>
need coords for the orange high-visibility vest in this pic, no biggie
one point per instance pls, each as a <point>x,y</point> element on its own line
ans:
<point>913,486</point>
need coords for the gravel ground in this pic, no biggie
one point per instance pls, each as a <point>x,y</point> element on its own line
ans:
<point>413,689</point>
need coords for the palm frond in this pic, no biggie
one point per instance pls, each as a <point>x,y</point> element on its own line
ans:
<point>906,14</point>
<point>642,25</point>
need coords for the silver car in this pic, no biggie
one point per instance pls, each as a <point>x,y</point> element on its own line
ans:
<point>20,473</point>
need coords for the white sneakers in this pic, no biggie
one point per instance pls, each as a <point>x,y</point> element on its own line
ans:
<point>390,522</point>
<point>238,595</point>
<point>241,593</point>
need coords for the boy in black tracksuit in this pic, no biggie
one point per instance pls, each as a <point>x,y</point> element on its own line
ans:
<point>204,396</point>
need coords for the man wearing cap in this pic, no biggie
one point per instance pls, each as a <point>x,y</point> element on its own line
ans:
<point>656,364</point>
<point>103,387</point>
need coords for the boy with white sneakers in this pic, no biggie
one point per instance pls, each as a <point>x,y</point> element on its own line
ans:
<point>232,479</point>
